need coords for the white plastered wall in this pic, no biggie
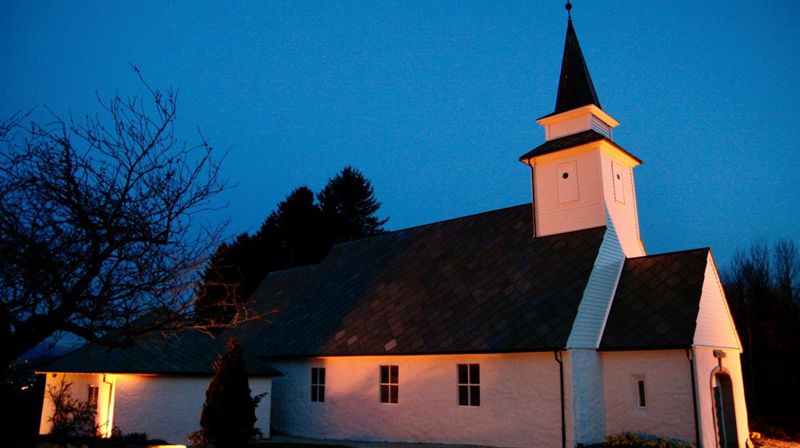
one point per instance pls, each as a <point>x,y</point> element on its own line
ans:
<point>164,407</point>
<point>715,330</point>
<point>169,407</point>
<point>588,403</point>
<point>79,389</point>
<point>668,393</point>
<point>520,400</point>
<point>706,366</point>
<point>586,365</point>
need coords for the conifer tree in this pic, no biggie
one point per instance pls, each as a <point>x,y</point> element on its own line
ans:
<point>348,206</point>
<point>298,232</point>
<point>229,412</point>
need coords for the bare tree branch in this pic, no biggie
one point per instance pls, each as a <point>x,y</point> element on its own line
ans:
<point>98,233</point>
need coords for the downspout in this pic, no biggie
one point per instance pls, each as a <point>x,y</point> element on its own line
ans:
<point>560,360</point>
<point>109,418</point>
<point>533,195</point>
<point>690,357</point>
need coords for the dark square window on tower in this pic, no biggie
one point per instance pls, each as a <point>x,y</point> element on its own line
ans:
<point>469,384</point>
<point>318,384</point>
<point>389,384</point>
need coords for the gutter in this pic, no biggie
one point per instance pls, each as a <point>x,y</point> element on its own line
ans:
<point>690,356</point>
<point>560,360</point>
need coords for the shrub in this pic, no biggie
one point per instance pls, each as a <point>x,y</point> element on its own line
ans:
<point>71,417</point>
<point>229,412</point>
<point>631,440</point>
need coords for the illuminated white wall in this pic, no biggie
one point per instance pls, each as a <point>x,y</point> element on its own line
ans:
<point>164,407</point>
<point>169,407</point>
<point>706,366</point>
<point>79,386</point>
<point>520,400</point>
<point>668,393</point>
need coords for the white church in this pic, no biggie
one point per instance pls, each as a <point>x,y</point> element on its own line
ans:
<point>540,325</point>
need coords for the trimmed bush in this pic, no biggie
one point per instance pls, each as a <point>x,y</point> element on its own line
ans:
<point>229,412</point>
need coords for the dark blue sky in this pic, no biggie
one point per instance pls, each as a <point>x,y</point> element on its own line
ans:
<point>435,101</point>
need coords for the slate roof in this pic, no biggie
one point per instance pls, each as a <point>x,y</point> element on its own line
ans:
<point>575,87</point>
<point>571,141</point>
<point>190,352</point>
<point>657,301</point>
<point>475,284</point>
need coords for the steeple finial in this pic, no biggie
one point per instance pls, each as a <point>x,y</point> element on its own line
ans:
<point>575,87</point>
<point>569,10</point>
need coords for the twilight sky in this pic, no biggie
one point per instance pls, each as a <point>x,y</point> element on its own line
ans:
<point>435,101</point>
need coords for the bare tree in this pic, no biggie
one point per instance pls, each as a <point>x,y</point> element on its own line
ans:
<point>762,289</point>
<point>99,231</point>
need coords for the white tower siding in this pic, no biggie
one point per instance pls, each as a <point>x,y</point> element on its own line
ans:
<point>587,186</point>
<point>715,327</point>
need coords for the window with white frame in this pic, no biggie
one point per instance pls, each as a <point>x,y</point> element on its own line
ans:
<point>469,384</point>
<point>389,384</point>
<point>318,384</point>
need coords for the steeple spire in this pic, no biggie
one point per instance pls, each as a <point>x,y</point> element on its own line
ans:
<point>575,88</point>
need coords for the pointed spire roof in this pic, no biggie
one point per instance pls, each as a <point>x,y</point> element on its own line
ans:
<point>575,88</point>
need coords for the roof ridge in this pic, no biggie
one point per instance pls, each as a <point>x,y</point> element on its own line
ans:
<point>675,252</point>
<point>419,226</point>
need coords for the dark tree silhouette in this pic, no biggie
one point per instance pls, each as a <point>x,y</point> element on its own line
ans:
<point>299,232</point>
<point>763,290</point>
<point>96,224</point>
<point>229,412</point>
<point>298,228</point>
<point>290,236</point>
<point>348,206</point>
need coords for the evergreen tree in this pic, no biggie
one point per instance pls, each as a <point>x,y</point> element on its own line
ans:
<point>229,413</point>
<point>297,225</point>
<point>348,207</point>
<point>299,232</point>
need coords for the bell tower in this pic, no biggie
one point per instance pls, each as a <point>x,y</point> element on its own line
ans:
<point>580,178</point>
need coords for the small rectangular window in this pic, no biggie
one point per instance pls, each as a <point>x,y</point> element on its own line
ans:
<point>389,383</point>
<point>618,173</point>
<point>92,395</point>
<point>641,398</point>
<point>318,384</point>
<point>469,385</point>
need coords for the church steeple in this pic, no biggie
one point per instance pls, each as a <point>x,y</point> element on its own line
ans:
<point>577,106</point>
<point>581,178</point>
<point>575,87</point>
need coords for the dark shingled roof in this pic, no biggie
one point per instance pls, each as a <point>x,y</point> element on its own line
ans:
<point>657,301</point>
<point>575,87</point>
<point>571,141</point>
<point>475,284</point>
<point>189,352</point>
